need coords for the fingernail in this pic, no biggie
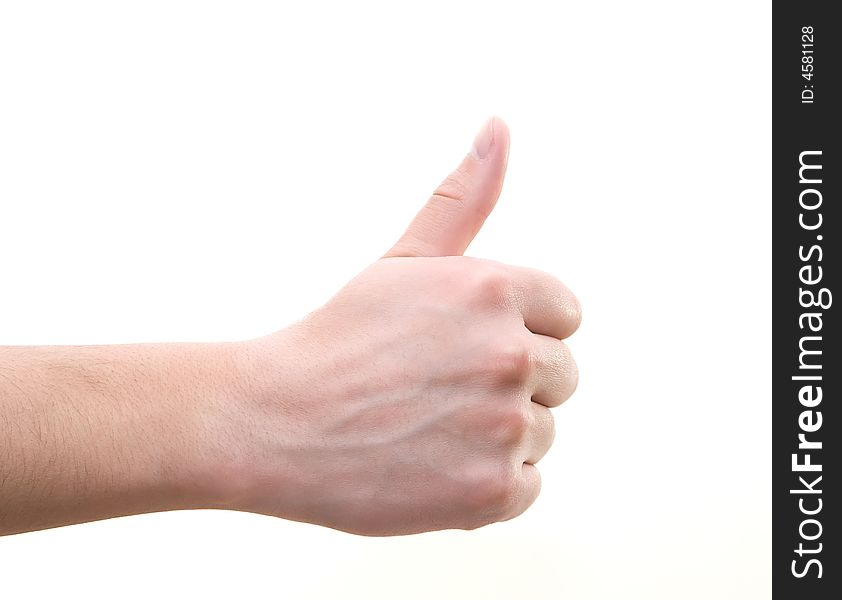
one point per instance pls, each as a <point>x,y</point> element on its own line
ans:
<point>483,141</point>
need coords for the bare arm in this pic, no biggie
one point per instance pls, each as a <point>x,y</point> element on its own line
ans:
<point>91,432</point>
<point>418,398</point>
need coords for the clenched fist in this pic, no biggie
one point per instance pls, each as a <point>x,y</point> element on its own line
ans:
<point>418,398</point>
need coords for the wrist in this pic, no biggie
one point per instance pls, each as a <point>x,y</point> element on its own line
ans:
<point>229,429</point>
<point>182,435</point>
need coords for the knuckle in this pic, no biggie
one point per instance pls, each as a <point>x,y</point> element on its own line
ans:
<point>513,362</point>
<point>492,286</point>
<point>505,492</point>
<point>513,424</point>
<point>492,495</point>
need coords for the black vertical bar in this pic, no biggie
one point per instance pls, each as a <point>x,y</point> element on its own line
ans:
<point>806,227</point>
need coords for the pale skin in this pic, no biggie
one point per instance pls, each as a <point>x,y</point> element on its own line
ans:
<point>417,399</point>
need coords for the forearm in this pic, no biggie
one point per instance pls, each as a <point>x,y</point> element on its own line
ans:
<point>92,432</point>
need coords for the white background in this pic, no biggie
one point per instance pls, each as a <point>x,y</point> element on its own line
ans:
<point>214,170</point>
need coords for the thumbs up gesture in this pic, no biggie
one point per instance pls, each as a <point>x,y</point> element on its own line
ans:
<point>457,209</point>
<point>418,398</point>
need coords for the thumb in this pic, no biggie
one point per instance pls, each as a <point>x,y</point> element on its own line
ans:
<point>457,209</point>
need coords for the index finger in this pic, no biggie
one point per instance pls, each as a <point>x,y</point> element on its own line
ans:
<point>547,305</point>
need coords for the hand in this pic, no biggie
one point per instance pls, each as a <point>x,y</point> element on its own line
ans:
<point>418,397</point>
